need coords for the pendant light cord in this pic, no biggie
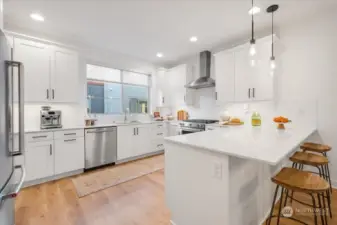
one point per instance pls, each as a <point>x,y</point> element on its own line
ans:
<point>272,34</point>
<point>253,20</point>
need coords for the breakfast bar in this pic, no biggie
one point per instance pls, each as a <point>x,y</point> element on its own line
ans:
<point>222,176</point>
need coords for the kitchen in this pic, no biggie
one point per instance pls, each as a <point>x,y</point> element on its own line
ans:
<point>80,77</point>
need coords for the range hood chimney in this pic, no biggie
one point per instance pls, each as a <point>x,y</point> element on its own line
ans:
<point>204,80</point>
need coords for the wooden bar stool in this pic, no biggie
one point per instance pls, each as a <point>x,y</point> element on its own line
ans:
<point>319,161</point>
<point>321,149</point>
<point>291,179</point>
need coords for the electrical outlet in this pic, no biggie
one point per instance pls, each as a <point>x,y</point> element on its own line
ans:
<point>217,170</point>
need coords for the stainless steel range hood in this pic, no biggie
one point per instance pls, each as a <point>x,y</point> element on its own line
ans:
<point>204,79</point>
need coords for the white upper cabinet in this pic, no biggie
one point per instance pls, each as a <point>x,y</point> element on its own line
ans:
<point>162,88</point>
<point>65,76</point>
<point>263,83</point>
<point>238,80</point>
<point>177,81</point>
<point>51,73</point>
<point>244,74</point>
<point>224,69</point>
<point>36,61</point>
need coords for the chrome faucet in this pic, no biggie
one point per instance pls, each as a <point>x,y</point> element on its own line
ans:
<point>126,111</point>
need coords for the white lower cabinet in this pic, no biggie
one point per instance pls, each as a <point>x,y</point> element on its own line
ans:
<point>69,155</point>
<point>133,141</point>
<point>39,160</point>
<point>126,136</point>
<point>143,140</point>
<point>52,153</point>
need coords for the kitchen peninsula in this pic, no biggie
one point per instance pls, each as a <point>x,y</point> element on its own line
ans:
<point>222,176</point>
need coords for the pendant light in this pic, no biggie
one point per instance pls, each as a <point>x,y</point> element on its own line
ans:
<point>271,9</point>
<point>252,49</point>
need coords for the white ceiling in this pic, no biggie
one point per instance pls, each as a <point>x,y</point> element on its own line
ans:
<point>144,27</point>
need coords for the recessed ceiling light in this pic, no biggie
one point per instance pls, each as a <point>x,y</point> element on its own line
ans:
<point>37,17</point>
<point>254,10</point>
<point>193,39</point>
<point>159,55</point>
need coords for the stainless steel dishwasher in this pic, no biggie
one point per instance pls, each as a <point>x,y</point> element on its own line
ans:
<point>100,146</point>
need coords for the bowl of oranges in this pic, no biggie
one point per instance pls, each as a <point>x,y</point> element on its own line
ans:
<point>280,121</point>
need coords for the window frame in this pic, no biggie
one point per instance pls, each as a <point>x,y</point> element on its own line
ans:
<point>122,90</point>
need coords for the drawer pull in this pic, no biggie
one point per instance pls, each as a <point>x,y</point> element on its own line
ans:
<point>160,126</point>
<point>42,136</point>
<point>69,140</point>
<point>69,134</point>
<point>160,134</point>
<point>160,145</point>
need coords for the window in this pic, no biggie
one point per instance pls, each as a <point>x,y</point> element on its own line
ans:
<point>111,91</point>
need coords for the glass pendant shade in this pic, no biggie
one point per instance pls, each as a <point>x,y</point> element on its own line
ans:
<point>252,49</point>
<point>272,63</point>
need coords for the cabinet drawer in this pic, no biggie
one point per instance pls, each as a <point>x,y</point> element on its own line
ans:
<point>66,134</point>
<point>40,136</point>
<point>159,147</point>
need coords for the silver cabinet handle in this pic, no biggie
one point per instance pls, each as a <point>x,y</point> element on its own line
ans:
<point>160,126</point>
<point>184,98</point>
<point>42,136</point>
<point>50,149</point>
<point>137,130</point>
<point>248,92</point>
<point>163,100</point>
<point>69,140</point>
<point>253,92</point>
<point>53,93</point>
<point>95,132</point>
<point>160,145</point>
<point>134,131</point>
<point>216,95</point>
<point>47,93</point>
<point>69,134</point>
<point>15,192</point>
<point>160,134</point>
<point>19,65</point>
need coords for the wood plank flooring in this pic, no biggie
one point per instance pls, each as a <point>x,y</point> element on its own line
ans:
<point>137,202</point>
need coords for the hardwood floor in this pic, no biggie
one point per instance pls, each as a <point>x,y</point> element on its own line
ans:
<point>137,202</point>
<point>303,212</point>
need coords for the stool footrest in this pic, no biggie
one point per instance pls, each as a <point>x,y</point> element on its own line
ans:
<point>289,218</point>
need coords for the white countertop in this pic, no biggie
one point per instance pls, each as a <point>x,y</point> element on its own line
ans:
<point>38,129</point>
<point>265,143</point>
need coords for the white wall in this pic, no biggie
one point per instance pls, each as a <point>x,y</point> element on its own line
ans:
<point>1,15</point>
<point>310,72</point>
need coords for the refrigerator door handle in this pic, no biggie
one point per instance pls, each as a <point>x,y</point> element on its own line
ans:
<point>19,65</point>
<point>15,192</point>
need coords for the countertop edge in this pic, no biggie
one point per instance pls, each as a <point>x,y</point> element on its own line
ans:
<point>269,162</point>
<point>37,130</point>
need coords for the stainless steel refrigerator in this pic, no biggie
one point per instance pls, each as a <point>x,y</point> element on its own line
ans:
<point>11,129</point>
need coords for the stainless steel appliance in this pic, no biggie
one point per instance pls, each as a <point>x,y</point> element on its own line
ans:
<point>195,125</point>
<point>50,118</point>
<point>100,146</point>
<point>8,188</point>
<point>204,80</point>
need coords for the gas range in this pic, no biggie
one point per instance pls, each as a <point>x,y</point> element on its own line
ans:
<point>195,125</point>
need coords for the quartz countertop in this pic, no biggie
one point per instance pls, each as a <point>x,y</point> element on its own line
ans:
<point>38,129</point>
<point>265,143</point>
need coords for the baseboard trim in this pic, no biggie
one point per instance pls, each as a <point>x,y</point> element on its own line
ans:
<point>52,178</point>
<point>140,157</point>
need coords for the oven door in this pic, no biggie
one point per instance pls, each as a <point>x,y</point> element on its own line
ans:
<point>190,130</point>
